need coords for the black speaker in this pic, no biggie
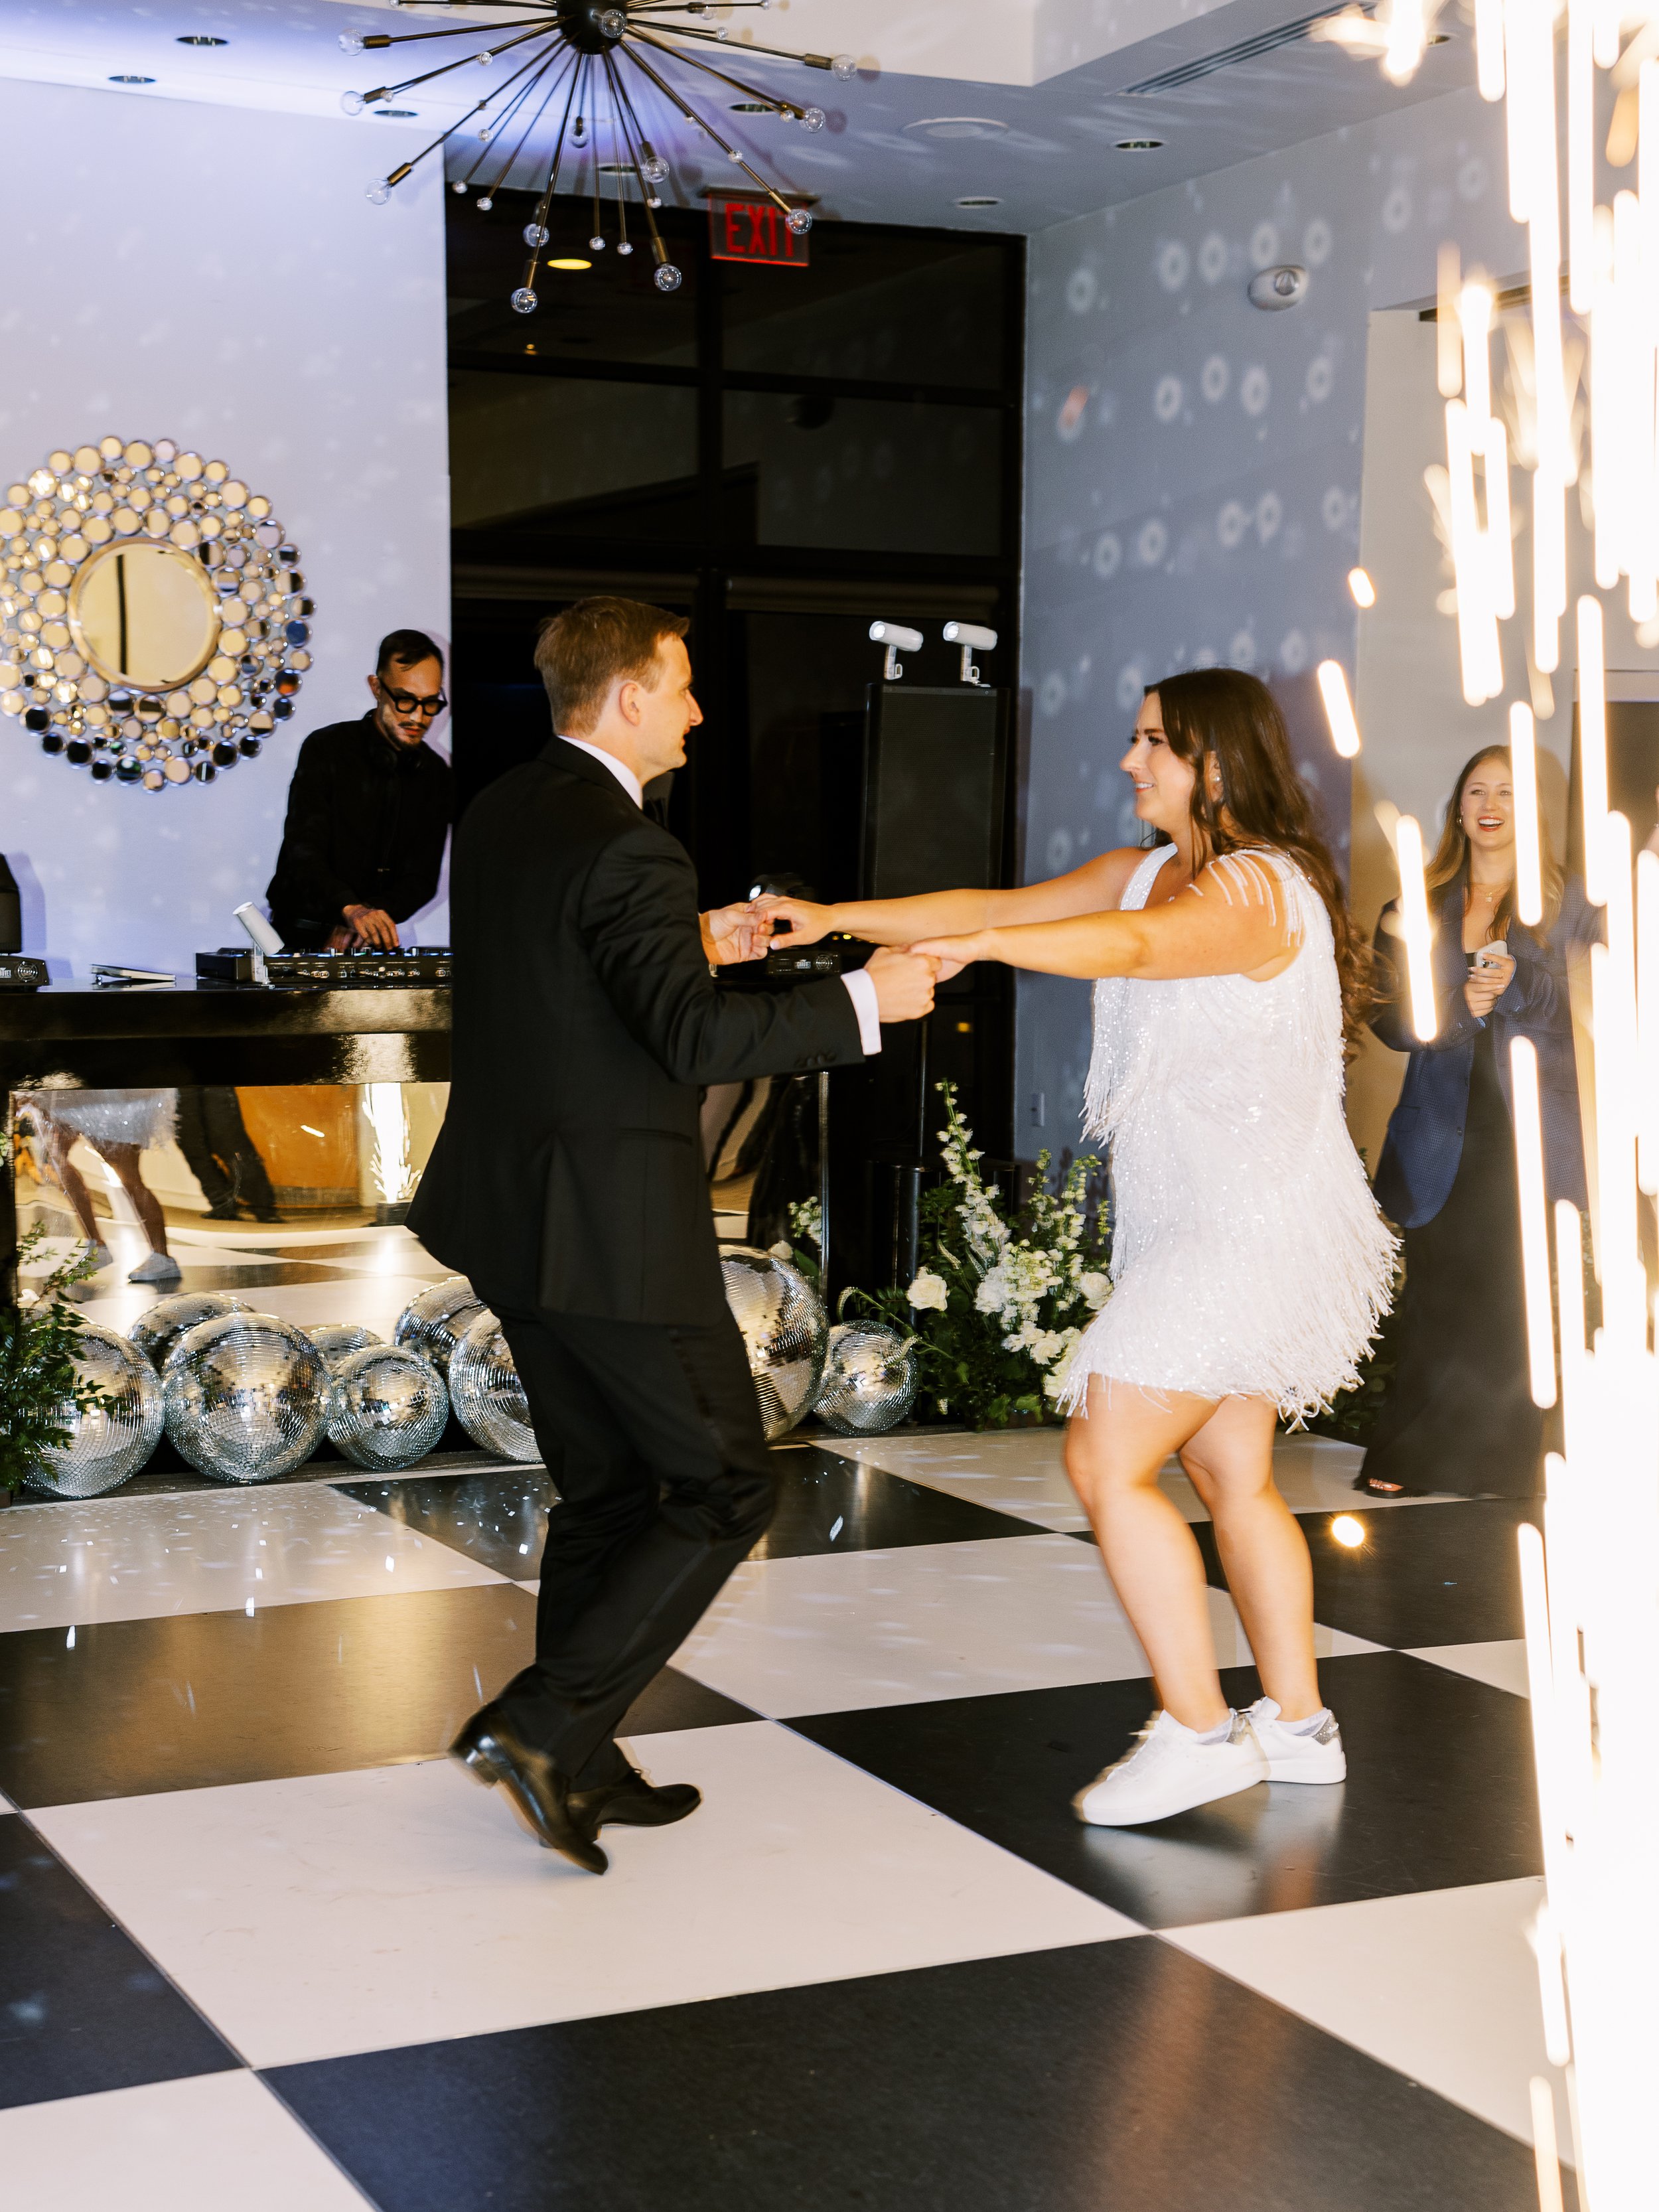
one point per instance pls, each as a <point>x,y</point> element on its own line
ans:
<point>11,911</point>
<point>932,817</point>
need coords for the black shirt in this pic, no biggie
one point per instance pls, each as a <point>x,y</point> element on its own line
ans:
<point>367,820</point>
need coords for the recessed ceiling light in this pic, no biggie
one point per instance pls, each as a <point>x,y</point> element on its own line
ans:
<point>979,201</point>
<point>200,38</point>
<point>132,79</point>
<point>569,261</point>
<point>398,114</point>
<point>958,126</point>
<point>753,107</point>
<point>1139,145</point>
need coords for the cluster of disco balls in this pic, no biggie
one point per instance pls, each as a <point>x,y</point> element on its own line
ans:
<point>858,1378</point>
<point>246,1397</point>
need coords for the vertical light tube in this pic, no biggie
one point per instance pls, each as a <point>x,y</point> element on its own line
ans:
<point>1475,316</point>
<point>1592,741</point>
<point>1448,336</point>
<point>1408,40</point>
<point>1569,1289</point>
<point>1489,51</point>
<point>1414,925</point>
<point>1581,154</point>
<point>1647,1021</point>
<point>1339,709</point>
<point>1497,534</point>
<point>1545,2152</point>
<point>1549,566</point>
<point>1477,623</point>
<point>1523,781</point>
<point>1534,1218</point>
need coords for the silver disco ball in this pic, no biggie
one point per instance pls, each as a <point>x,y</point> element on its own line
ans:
<point>247,1396</point>
<point>870,1379</point>
<point>160,1326</point>
<point>338,1339</point>
<point>107,1443</point>
<point>432,1322</point>
<point>486,1393</point>
<point>785,1332</point>
<point>388,1408</point>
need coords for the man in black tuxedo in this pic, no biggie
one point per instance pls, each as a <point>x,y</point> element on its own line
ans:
<point>568,1184</point>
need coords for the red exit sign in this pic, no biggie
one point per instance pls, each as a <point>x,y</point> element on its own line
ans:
<point>754,230</point>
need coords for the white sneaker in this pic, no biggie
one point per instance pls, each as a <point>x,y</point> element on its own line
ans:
<point>160,1267</point>
<point>1170,1770</point>
<point>1293,1755</point>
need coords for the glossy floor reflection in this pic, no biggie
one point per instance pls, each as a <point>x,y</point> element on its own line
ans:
<point>258,1907</point>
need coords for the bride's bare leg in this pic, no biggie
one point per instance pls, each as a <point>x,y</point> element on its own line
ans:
<point>1262,1548</point>
<point>1113,1455</point>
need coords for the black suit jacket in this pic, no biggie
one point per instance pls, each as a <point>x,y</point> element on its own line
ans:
<point>569,1173</point>
<point>366,826</point>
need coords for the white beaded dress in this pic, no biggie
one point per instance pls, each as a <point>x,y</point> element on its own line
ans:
<point>1248,1256</point>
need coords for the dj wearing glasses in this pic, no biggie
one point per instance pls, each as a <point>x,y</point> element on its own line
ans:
<point>368,811</point>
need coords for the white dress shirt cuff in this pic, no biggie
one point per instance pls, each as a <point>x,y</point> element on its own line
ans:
<point>862,992</point>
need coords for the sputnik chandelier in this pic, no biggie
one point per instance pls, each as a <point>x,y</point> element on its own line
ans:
<point>1590,1585</point>
<point>600,69</point>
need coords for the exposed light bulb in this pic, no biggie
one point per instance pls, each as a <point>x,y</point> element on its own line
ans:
<point>524,300</point>
<point>485,204</point>
<point>623,247</point>
<point>535,233</point>
<point>668,277</point>
<point>378,193</point>
<point>652,167</point>
<point>351,103</point>
<point>613,22</point>
<point>798,220</point>
<point>595,246</point>
<point>459,188</point>
<point>484,59</point>
<point>350,43</point>
<point>811,119</point>
<point>845,67</point>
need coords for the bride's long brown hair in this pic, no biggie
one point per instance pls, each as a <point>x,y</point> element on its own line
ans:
<point>1232,718</point>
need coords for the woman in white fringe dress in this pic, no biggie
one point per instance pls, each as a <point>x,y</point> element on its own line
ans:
<point>1249,1263</point>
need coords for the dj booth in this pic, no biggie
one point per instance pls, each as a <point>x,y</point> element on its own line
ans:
<point>159,1037</point>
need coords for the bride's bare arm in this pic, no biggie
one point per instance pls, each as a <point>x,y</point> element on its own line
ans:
<point>1233,920</point>
<point>1094,887</point>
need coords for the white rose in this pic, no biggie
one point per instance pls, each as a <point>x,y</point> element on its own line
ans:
<point>781,1250</point>
<point>1053,1384</point>
<point>1097,1289</point>
<point>928,1292</point>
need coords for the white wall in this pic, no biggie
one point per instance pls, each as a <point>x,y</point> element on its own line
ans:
<point>217,277</point>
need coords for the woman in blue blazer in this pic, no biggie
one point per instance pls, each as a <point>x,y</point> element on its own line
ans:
<point>1458,1414</point>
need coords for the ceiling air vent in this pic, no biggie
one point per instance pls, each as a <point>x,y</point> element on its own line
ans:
<point>1246,50</point>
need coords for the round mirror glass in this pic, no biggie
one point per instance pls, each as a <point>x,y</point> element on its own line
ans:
<point>145,615</point>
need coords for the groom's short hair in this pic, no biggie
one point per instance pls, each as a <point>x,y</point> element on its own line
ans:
<point>584,651</point>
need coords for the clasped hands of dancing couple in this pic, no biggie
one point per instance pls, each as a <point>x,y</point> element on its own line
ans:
<point>1249,1263</point>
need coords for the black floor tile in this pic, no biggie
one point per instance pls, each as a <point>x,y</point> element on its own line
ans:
<point>195,1699</point>
<point>81,2008</point>
<point>828,1504</point>
<point>1115,2077</point>
<point>1439,1791</point>
<point>242,1276</point>
<point>1425,1574</point>
<point>825,1503</point>
<point>498,1518</point>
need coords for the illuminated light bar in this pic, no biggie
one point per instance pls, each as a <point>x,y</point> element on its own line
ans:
<point>1415,926</point>
<point>1339,709</point>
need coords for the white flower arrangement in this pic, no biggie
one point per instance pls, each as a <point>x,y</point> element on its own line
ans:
<point>998,1303</point>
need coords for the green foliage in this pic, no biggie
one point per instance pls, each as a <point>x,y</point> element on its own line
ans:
<point>40,1383</point>
<point>998,1300</point>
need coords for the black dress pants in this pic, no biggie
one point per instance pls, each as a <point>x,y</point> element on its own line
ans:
<point>652,1437</point>
<point>213,1137</point>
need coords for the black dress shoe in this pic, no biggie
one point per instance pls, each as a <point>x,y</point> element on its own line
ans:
<point>538,1793</point>
<point>224,1211</point>
<point>632,1802</point>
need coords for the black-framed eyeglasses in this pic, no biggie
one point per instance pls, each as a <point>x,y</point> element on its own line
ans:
<point>410,703</point>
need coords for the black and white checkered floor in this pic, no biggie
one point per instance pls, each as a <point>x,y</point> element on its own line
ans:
<point>262,1946</point>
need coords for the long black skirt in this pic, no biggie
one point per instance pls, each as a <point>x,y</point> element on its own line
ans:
<point>1459,1414</point>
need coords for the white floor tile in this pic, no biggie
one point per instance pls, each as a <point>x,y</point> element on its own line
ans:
<point>138,1558</point>
<point>375,1300</point>
<point>829,1633</point>
<point>1020,1472</point>
<point>1441,1985</point>
<point>346,1912</point>
<point>193,2146</point>
<point>1504,1664</point>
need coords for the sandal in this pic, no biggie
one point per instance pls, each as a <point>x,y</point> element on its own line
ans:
<point>1374,1486</point>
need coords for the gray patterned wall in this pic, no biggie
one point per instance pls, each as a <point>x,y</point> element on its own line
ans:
<point>1193,467</point>
<point>216,276</point>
